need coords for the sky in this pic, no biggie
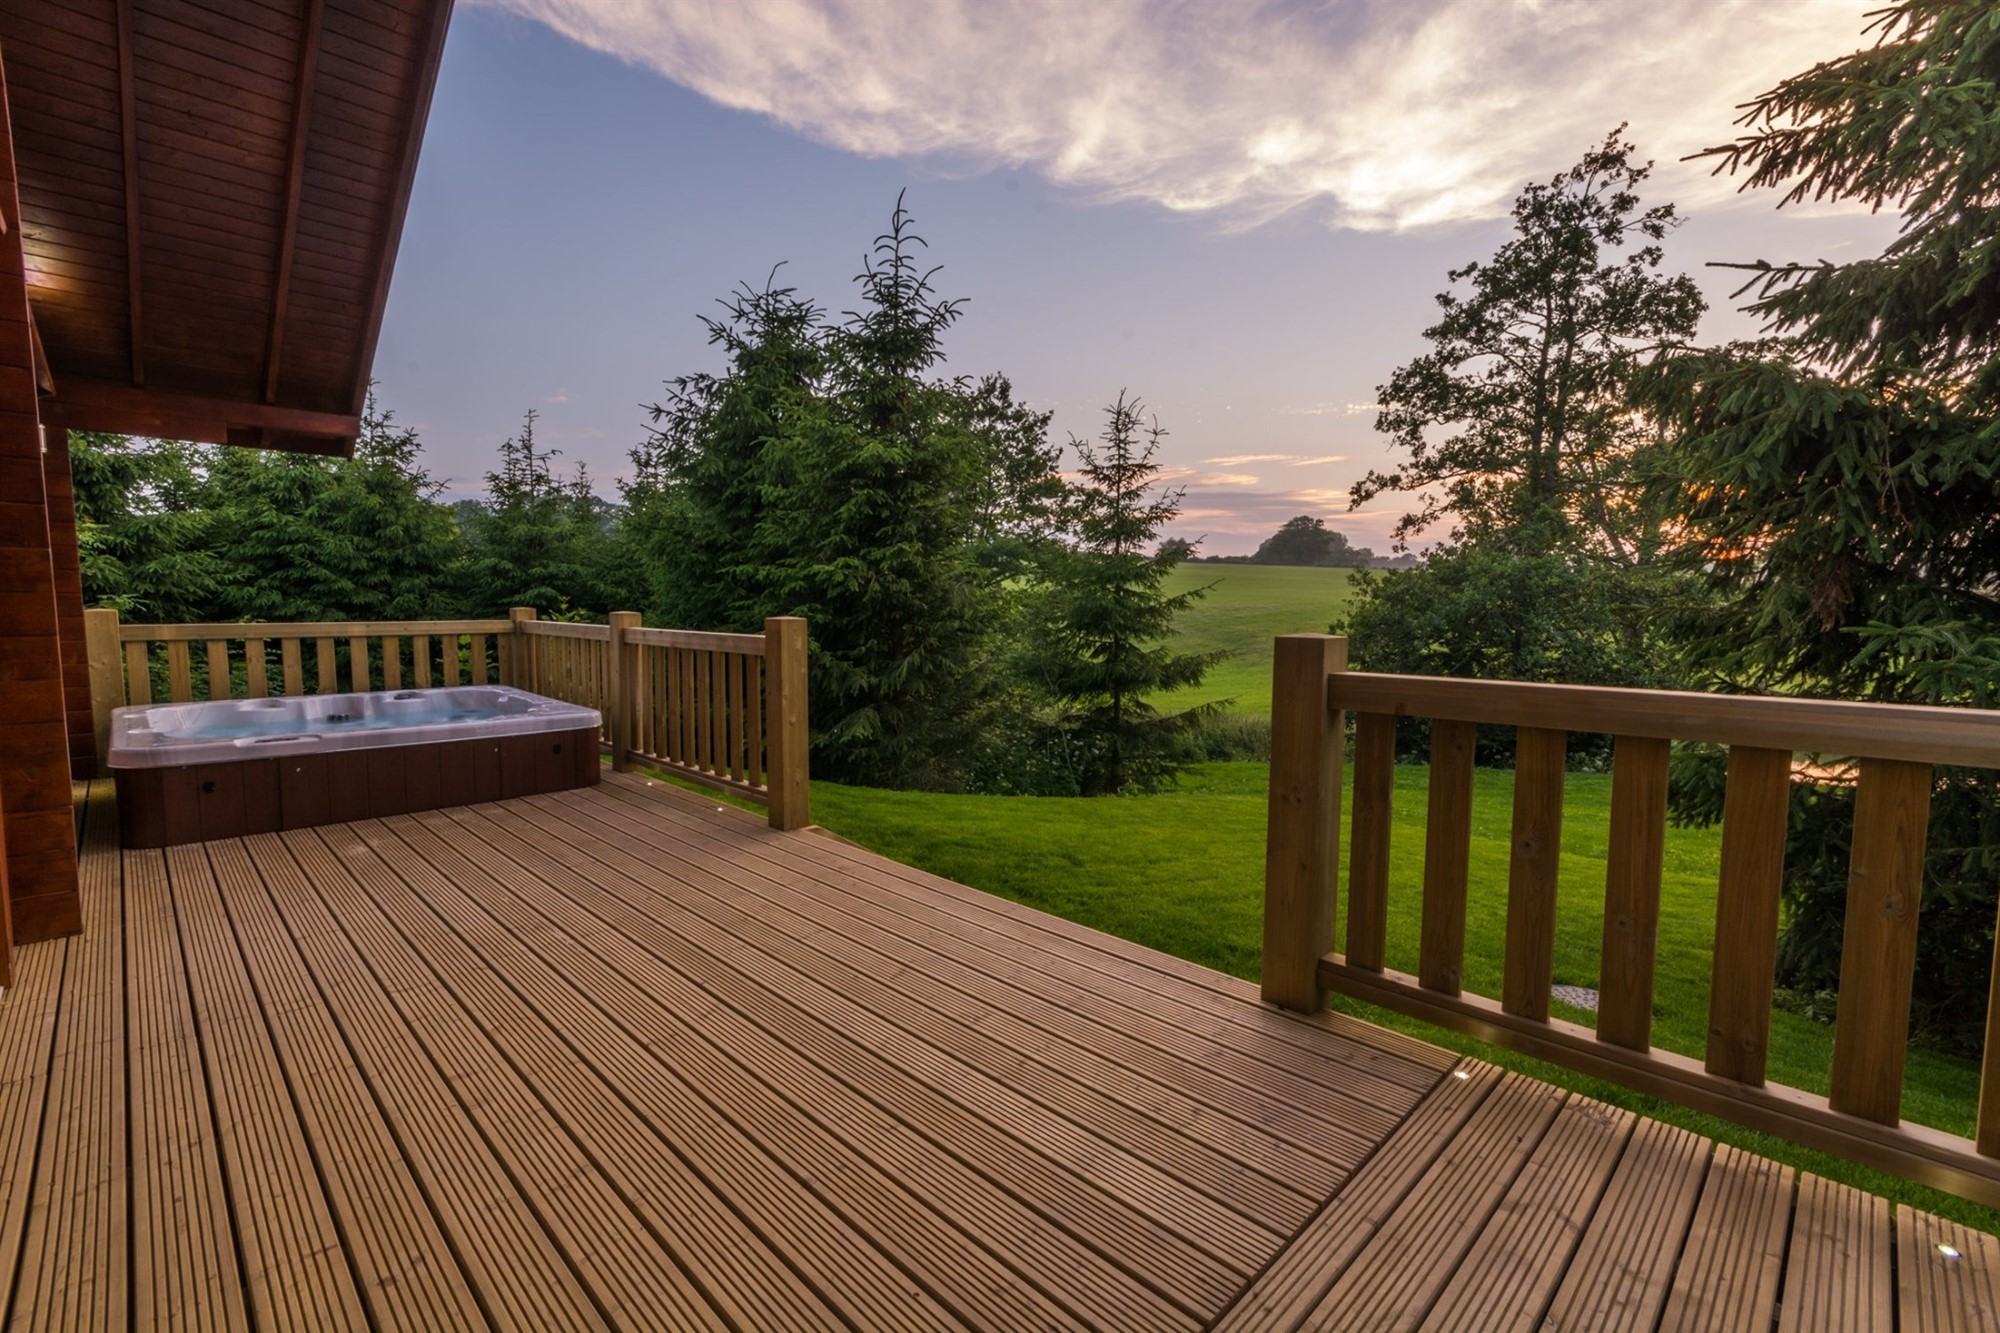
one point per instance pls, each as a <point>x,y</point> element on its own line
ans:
<point>1239,212</point>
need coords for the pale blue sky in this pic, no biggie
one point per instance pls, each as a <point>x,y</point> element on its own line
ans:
<point>575,211</point>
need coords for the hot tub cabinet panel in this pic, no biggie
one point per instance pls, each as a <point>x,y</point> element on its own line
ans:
<point>165,807</point>
<point>351,757</point>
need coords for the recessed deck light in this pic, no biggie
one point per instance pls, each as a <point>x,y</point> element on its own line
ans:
<point>1949,1252</point>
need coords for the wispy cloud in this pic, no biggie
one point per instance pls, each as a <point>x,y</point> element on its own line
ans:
<point>559,397</point>
<point>1231,460</point>
<point>1314,462</point>
<point>1376,114</point>
<point>1223,479</point>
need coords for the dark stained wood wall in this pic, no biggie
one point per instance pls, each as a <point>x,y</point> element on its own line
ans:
<point>34,742</point>
<point>69,593</point>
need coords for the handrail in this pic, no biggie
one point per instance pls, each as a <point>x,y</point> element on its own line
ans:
<point>1965,737</point>
<point>725,711</point>
<point>707,641</point>
<point>558,629</point>
<point>1896,747</point>
<point>305,629</point>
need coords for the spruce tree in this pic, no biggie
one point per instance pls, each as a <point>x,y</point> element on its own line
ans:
<point>1838,482</point>
<point>541,539</point>
<point>1106,655</point>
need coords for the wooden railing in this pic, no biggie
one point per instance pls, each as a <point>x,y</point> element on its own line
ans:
<point>1894,748</point>
<point>567,662</point>
<point>726,711</point>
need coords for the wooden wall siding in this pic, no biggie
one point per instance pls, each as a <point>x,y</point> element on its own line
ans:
<point>34,742</point>
<point>213,194</point>
<point>69,594</point>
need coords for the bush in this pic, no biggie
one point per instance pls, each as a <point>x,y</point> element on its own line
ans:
<point>1220,737</point>
<point>1487,612</point>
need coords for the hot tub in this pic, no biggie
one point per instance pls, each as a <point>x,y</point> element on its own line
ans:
<point>197,771</point>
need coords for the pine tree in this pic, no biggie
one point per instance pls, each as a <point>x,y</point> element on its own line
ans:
<point>721,452</point>
<point>1106,656</point>
<point>829,471</point>
<point>145,536</point>
<point>311,538</point>
<point>540,539</point>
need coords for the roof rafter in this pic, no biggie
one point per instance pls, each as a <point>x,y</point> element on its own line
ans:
<point>427,58</point>
<point>295,174</point>
<point>128,126</point>
<point>163,414</point>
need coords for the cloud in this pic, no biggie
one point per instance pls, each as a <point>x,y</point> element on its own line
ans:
<point>1378,115</point>
<point>1229,460</point>
<point>559,396</point>
<point>1323,458</point>
<point>1224,479</point>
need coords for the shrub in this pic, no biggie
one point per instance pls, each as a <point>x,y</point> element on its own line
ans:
<point>1487,612</point>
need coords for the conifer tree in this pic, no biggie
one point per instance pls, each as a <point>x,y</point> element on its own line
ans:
<point>1106,655</point>
<point>541,539</point>
<point>1836,481</point>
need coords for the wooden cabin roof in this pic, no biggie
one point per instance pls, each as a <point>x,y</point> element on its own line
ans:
<point>212,192</point>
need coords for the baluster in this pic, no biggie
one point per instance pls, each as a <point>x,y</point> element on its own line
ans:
<point>1533,867</point>
<point>329,673</point>
<point>291,656</point>
<point>1368,849</point>
<point>256,670</point>
<point>732,720</point>
<point>392,662</point>
<point>218,669</point>
<point>1447,853</point>
<point>753,704</point>
<point>180,683</point>
<point>1754,809</point>
<point>688,719</point>
<point>1878,947</point>
<point>138,673</point>
<point>1632,892</point>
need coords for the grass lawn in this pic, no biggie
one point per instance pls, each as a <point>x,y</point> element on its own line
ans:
<point>1249,605</point>
<point>1183,872</point>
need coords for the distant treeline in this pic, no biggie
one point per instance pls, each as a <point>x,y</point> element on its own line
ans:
<point>1306,541</point>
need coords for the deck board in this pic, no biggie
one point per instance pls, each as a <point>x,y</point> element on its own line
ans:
<point>617,1058</point>
<point>1096,1147</point>
<point>184,1264</point>
<point>74,1255</point>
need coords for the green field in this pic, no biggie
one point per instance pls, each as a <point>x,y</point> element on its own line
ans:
<point>1183,872</point>
<point>1248,606</point>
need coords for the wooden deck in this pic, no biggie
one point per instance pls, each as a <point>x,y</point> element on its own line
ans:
<point>615,1058</point>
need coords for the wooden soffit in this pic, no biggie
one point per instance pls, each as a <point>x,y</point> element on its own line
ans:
<point>212,192</point>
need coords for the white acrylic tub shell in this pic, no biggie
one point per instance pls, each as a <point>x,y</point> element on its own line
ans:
<point>170,735</point>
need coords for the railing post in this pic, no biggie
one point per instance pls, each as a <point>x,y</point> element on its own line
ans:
<point>621,689</point>
<point>107,682</point>
<point>1302,830</point>
<point>787,740</point>
<point>524,677</point>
